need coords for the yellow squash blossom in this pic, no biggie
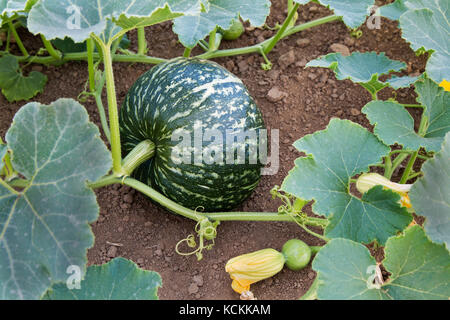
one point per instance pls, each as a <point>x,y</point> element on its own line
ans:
<point>369,180</point>
<point>445,84</point>
<point>253,267</point>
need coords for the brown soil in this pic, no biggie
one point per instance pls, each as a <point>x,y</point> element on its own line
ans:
<point>148,234</point>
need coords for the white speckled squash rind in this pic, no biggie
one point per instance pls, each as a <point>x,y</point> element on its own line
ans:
<point>186,94</point>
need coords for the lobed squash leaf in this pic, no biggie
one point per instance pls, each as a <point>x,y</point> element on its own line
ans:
<point>394,124</point>
<point>335,155</point>
<point>219,13</point>
<point>362,68</point>
<point>15,86</point>
<point>119,279</point>
<point>419,269</point>
<point>44,228</point>
<point>353,13</point>
<point>77,19</point>
<point>424,24</point>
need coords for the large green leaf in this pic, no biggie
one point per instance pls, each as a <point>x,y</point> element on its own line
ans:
<point>44,228</point>
<point>15,86</point>
<point>362,68</point>
<point>419,269</point>
<point>353,13</point>
<point>394,124</point>
<point>11,7</point>
<point>59,18</point>
<point>393,10</point>
<point>119,279</point>
<point>426,25</point>
<point>221,13</point>
<point>337,154</point>
<point>430,195</point>
<point>437,107</point>
<point>344,268</point>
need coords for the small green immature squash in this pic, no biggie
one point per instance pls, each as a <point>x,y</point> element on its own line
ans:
<point>192,110</point>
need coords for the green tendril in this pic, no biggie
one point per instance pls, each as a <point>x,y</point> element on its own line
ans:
<point>206,230</point>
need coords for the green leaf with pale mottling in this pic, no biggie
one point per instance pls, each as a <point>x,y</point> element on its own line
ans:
<point>44,228</point>
<point>426,25</point>
<point>419,269</point>
<point>362,68</point>
<point>437,107</point>
<point>15,86</point>
<point>58,18</point>
<point>336,154</point>
<point>394,124</point>
<point>393,10</point>
<point>353,13</point>
<point>119,279</point>
<point>430,195</point>
<point>344,268</point>
<point>220,13</point>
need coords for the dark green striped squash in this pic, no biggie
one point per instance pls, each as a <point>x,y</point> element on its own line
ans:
<point>193,96</point>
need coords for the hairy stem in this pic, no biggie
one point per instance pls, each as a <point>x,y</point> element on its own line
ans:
<point>197,216</point>
<point>142,41</point>
<point>19,42</point>
<point>257,47</point>
<point>187,52</point>
<point>90,59</point>
<point>112,108</point>
<point>409,167</point>
<point>101,109</point>
<point>212,40</point>
<point>49,47</point>
<point>281,31</point>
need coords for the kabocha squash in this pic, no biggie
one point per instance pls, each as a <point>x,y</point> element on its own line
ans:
<point>173,105</point>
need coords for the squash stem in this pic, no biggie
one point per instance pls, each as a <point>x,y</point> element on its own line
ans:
<point>283,28</point>
<point>198,216</point>
<point>112,108</point>
<point>50,49</point>
<point>409,167</point>
<point>91,68</point>
<point>141,153</point>
<point>19,42</point>
<point>101,109</point>
<point>142,41</point>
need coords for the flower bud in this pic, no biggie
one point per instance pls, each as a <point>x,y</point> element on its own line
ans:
<point>253,267</point>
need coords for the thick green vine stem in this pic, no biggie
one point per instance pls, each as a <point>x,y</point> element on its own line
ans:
<point>141,153</point>
<point>409,167</point>
<point>142,41</point>
<point>112,107</point>
<point>283,28</point>
<point>198,216</point>
<point>19,42</point>
<point>91,68</point>
<point>50,49</point>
